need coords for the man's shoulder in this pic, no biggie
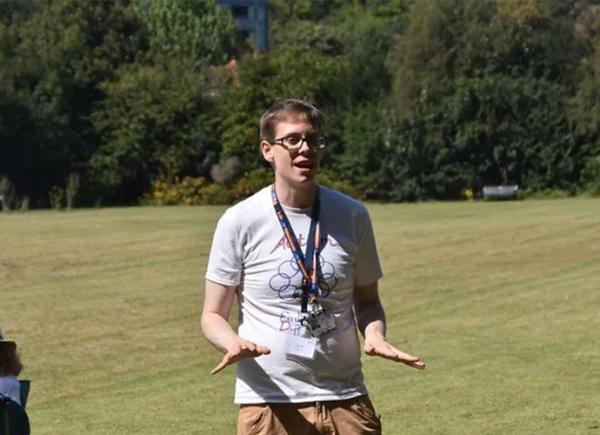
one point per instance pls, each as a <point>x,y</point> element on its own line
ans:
<point>249,208</point>
<point>340,202</point>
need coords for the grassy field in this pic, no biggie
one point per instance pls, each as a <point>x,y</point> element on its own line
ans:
<point>502,300</point>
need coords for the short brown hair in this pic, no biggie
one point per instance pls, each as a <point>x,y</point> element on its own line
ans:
<point>10,363</point>
<point>289,108</point>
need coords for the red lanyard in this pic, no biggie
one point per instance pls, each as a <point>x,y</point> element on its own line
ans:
<point>308,264</point>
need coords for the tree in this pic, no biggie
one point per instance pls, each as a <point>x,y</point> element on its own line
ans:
<point>158,118</point>
<point>263,79</point>
<point>585,105</point>
<point>358,126</point>
<point>196,29</point>
<point>156,122</point>
<point>481,101</point>
<point>358,35</point>
<point>60,52</point>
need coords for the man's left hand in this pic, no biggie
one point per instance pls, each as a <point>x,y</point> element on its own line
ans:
<point>379,346</point>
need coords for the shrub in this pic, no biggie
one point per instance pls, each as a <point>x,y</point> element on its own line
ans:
<point>198,191</point>
<point>187,191</point>
<point>56,197</point>
<point>215,194</point>
<point>545,194</point>
<point>590,175</point>
<point>7,194</point>
<point>252,182</point>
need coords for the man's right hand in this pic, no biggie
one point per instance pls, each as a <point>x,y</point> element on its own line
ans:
<point>241,349</point>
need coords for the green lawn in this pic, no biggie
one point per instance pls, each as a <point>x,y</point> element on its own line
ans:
<point>502,300</point>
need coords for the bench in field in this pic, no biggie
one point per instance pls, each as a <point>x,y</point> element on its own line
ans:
<point>500,192</point>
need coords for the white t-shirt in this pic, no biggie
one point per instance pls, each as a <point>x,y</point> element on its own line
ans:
<point>11,388</point>
<point>250,251</point>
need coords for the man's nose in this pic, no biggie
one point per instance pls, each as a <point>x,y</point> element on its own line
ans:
<point>304,146</point>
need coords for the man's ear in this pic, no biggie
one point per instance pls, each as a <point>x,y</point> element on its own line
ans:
<point>267,151</point>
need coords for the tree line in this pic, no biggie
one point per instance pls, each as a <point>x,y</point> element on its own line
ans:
<point>110,102</point>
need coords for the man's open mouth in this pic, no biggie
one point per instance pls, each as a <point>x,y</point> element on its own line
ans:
<point>304,165</point>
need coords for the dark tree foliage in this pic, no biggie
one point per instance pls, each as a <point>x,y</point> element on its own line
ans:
<point>424,99</point>
<point>57,59</point>
<point>585,105</point>
<point>263,80</point>
<point>481,94</point>
<point>158,119</point>
<point>16,11</point>
<point>194,29</point>
<point>156,122</point>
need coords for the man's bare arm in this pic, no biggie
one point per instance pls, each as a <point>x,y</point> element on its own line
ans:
<point>371,323</point>
<point>218,300</point>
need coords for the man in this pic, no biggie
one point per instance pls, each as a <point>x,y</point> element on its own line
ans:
<point>297,349</point>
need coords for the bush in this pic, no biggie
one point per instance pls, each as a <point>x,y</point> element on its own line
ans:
<point>215,194</point>
<point>56,196</point>
<point>590,175</point>
<point>252,182</point>
<point>545,194</point>
<point>7,194</point>
<point>9,200</point>
<point>187,191</point>
<point>198,191</point>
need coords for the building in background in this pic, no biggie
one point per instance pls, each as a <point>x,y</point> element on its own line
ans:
<point>252,18</point>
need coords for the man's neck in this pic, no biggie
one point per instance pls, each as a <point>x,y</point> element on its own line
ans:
<point>296,197</point>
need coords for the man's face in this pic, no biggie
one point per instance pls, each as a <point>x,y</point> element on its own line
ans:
<point>293,167</point>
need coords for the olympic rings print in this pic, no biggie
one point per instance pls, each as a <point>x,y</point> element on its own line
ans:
<point>288,280</point>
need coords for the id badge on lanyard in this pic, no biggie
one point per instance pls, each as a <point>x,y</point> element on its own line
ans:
<point>319,321</point>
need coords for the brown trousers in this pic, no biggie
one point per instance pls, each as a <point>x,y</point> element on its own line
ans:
<point>344,417</point>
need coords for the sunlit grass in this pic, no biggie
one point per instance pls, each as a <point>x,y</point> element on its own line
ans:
<point>500,299</point>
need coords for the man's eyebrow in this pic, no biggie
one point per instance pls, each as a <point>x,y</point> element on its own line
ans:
<point>309,132</point>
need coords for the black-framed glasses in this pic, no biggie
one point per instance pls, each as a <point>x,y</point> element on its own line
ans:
<point>294,141</point>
